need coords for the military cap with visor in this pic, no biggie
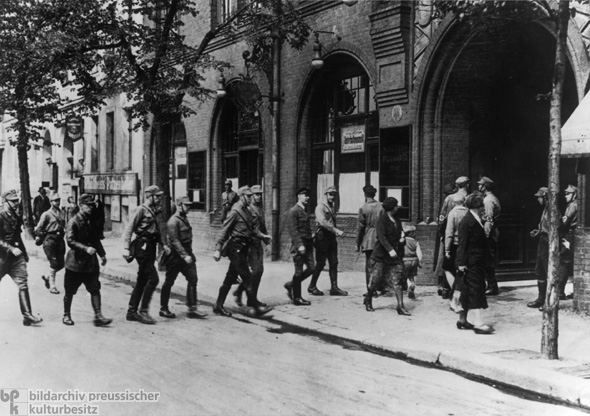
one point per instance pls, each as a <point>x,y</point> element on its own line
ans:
<point>153,190</point>
<point>11,195</point>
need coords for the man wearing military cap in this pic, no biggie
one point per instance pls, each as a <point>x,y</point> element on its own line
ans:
<point>326,246</point>
<point>83,238</point>
<point>145,226</point>
<point>569,222</point>
<point>542,264</point>
<point>228,199</point>
<point>256,251</point>
<point>235,240</point>
<point>51,229</point>
<point>13,255</point>
<point>492,210</point>
<point>181,260</point>
<point>366,232</point>
<point>299,226</point>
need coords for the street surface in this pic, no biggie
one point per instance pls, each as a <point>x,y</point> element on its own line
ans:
<point>221,366</point>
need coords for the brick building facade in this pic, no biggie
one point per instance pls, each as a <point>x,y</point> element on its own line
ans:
<point>404,102</point>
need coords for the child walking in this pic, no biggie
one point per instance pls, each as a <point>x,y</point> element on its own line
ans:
<point>412,259</point>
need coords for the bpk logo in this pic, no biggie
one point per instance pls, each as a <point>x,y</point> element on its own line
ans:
<point>16,402</point>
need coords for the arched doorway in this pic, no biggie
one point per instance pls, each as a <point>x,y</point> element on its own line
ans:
<point>484,112</point>
<point>339,135</point>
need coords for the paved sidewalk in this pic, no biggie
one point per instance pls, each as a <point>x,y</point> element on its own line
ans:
<point>509,357</point>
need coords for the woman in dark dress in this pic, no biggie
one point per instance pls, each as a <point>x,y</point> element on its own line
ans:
<point>473,253</point>
<point>386,263</point>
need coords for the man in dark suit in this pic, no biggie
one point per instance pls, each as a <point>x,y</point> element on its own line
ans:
<point>41,204</point>
<point>81,261</point>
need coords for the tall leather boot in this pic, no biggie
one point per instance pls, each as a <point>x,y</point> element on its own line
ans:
<point>255,287</point>
<point>238,294</point>
<point>312,289</point>
<point>67,319</point>
<point>99,320</point>
<point>335,290</point>
<point>218,308</point>
<point>368,301</point>
<point>191,303</point>
<point>164,300</point>
<point>25,308</point>
<point>540,301</point>
<point>134,303</point>
<point>254,307</point>
<point>143,315</point>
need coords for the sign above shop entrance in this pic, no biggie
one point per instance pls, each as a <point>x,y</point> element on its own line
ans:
<point>114,184</point>
<point>353,139</point>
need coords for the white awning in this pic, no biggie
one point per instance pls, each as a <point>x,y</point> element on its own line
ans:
<point>575,133</point>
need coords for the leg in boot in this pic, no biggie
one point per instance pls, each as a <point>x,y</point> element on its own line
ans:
<point>191,303</point>
<point>238,294</point>
<point>67,319</point>
<point>99,320</point>
<point>144,315</point>
<point>165,295</point>
<point>25,308</point>
<point>334,289</point>
<point>540,301</point>
<point>135,299</point>
<point>321,257</point>
<point>218,309</point>
<point>368,301</point>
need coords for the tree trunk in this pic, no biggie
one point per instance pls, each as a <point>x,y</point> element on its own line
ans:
<point>25,185</point>
<point>162,128</point>
<point>550,313</point>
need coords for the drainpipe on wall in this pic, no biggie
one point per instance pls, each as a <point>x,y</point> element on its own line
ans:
<point>275,96</point>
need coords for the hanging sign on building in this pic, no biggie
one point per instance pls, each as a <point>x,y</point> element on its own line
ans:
<point>113,184</point>
<point>246,95</point>
<point>74,127</point>
<point>353,139</point>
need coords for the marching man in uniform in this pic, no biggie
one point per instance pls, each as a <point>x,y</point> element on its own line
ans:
<point>13,255</point>
<point>51,229</point>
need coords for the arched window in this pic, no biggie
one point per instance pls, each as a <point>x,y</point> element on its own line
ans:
<point>345,137</point>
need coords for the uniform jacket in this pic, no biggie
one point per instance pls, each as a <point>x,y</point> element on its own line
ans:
<point>569,221</point>
<point>10,233</point>
<point>258,217</point>
<point>299,225</point>
<point>81,233</point>
<point>389,234</point>
<point>452,231</point>
<point>473,249</point>
<point>492,210</point>
<point>450,202</point>
<point>366,232</point>
<point>239,225</point>
<point>144,224</point>
<point>52,222</point>
<point>326,221</point>
<point>180,235</point>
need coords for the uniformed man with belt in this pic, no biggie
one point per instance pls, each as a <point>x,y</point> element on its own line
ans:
<point>83,238</point>
<point>181,260</point>
<point>542,264</point>
<point>299,225</point>
<point>569,222</point>
<point>228,199</point>
<point>492,210</point>
<point>256,251</point>
<point>144,225</point>
<point>13,255</point>
<point>366,232</point>
<point>238,232</point>
<point>51,229</point>
<point>326,246</point>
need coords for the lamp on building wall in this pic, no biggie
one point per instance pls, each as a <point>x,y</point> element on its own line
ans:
<point>81,162</point>
<point>49,160</point>
<point>221,85</point>
<point>317,62</point>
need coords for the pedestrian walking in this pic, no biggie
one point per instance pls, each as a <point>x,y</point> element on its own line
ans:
<point>366,231</point>
<point>181,260</point>
<point>144,225</point>
<point>235,240</point>
<point>387,259</point>
<point>473,255</point>
<point>99,215</point>
<point>492,210</point>
<point>71,209</point>
<point>228,199</point>
<point>81,263</point>
<point>299,225</point>
<point>542,264</point>
<point>13,254</point>
<point>569,222</point>
<point>40,204</point>
<point>412,259</point>
<point>326,246</point>
<point>256,251</point>
<point>451,243</point>
<point>51,229</point>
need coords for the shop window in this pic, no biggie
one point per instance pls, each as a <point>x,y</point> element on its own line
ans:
<point>128,142</point>
<point>197,176</point>
<point>110,140</point>
<point>394,176</point>
<point>345,141</point>
<point>94,146</point>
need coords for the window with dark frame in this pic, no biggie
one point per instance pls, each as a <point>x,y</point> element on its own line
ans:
<point>197,179</point>
<point>110,140</point>
<point>94,146</point>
